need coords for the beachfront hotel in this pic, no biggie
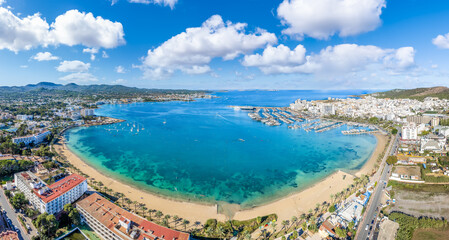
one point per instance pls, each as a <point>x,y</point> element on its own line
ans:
<point>35,138</point>
<point>50,198</point>
<point>112,222</point>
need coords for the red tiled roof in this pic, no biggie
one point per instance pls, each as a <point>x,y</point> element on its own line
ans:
<point>9,235</point>
<point>60,187</point>
<point>109,215</point>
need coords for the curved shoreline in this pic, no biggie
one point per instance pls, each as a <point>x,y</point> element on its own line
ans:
<point>299,202</point>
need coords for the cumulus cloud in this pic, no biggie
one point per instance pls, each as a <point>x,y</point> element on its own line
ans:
<point>71,28</point>
<point>79,77</point>
<point>104,55</point>
<point>441,41</point>
<point>73,66</point>
<point>22,33</point>
<point>120,69</point>
<point>44,56</point>
<point>192,51</point>
<point>323,18</point>
<point>339,59</point>
<point>2,1</point>
<point>92,52</point>
<point>170,3</point>
<point>276,59</point>
<point>79,28</point>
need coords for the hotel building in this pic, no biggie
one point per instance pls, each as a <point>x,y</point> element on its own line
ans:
<point>35,138</point>
<point>112,222</point>
<point>50,198</point>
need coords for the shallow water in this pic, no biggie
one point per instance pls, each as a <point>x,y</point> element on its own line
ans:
<point>195,150</point>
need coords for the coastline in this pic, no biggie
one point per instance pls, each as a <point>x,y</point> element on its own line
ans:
<point>285,208</point>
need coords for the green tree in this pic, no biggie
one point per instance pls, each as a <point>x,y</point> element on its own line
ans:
<point>19,201</point>
<point>394,131</point>
<point>332,208</point>
<point>46,225</point>
<point>341,232</point>
<point>392,160</point>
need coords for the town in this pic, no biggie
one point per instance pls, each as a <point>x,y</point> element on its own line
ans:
<point>45,197</point>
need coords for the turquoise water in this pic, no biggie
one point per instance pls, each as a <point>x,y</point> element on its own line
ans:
<point>192,150</point>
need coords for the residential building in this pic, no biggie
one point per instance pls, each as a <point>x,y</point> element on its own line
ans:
<point>35,138</point>
<point>112,222</point>
<point>50,198</point>
<point>409,132</point>
<point>24,117</point>
<point>87,112</point>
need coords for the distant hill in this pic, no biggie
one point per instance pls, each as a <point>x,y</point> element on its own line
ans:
<point>72,89</point>
<point>417,93</point>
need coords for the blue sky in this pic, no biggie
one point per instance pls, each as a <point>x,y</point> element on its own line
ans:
<point>245,44</point>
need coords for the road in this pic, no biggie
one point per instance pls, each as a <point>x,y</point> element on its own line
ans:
<point>12,215</point>
<point>372,209</point>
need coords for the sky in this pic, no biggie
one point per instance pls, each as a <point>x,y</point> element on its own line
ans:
<point>226,44</point>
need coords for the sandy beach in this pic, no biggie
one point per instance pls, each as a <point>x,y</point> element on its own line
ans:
<point>285,208</point>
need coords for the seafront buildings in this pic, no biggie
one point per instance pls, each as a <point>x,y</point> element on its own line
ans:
<point>367,107</point>
<point>34,138</point>
<point>112,222</point>
<point>50,198</point>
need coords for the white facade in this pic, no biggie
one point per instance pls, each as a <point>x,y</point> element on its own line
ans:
<point>35,138</point>
<point>29,184</point>
<point>87,112</point>
<point>24,117</point>
<point>409,132</point>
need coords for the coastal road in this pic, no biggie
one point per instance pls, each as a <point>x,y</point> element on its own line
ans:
<point>368,224</point>
<point>10,212</point>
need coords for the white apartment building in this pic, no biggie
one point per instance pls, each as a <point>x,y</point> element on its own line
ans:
<point>87,112</point>
<point>24,117</point>
<point>50,198</point>
<point>35,138</point>
<point>409,132</point>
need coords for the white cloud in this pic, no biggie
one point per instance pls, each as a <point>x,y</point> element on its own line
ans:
<point>23,66</point>
<point>22,33</point>
<point>45,56</point>
<point>119,81</point>
<point>192,51</point>
<point>170,3</point>
<point>70,28</point>
<point>2,1</point>
<point>79,77</point>
<point>120,69</point>
<point>323,18</point>
<point>434,66</point>
<point>339,59</point>
<point>92,52</point>
<point>79,28</point>
<point>441,41</point>
<point>105,55</point>
<point>73,66</point>
<point>276,59</point>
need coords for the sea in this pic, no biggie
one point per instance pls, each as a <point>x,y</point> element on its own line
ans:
<point>206,151</point>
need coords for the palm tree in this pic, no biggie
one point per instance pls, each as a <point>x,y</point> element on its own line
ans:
<point>135,206</point>
<point>197,224</point>
<point>144,210</point>
<point>317,207</point>
<point>332,197</point>
<point>294,219</point>
<point>128,201</point>
<point>167,218</point>
<point>150,211</point>
<point>284,224</point>
<point>159,214</point>
<point>220,231</point>
<point>100,185</point>
<point>175,219</point>
<point>273,226</point>
<point>185,222</point>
